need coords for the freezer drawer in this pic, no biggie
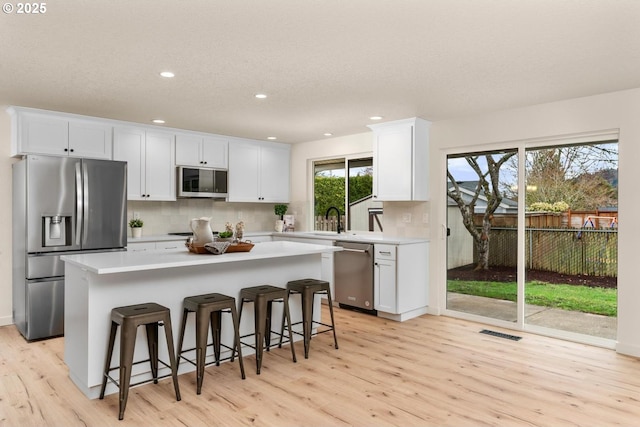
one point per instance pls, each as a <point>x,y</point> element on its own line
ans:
<point>44,266</point>
<point>44,316</point>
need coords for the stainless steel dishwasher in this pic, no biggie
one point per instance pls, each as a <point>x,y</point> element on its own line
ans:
<point>354,276</point>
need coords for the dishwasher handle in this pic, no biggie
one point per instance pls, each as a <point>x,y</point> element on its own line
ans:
<point>362,251</point>
<point>355,247</point>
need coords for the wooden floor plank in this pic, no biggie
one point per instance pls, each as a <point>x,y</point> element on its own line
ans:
<point>429,371</point>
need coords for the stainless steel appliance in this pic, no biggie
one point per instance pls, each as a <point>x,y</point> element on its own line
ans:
<point>202,182</point>
<point>354,276</point>
<point>61,205</point>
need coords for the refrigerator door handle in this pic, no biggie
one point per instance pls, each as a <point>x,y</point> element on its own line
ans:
<point>85,196</point>
<point>79,218</point>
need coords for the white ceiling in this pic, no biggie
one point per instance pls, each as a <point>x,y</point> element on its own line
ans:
<point>326,65</point>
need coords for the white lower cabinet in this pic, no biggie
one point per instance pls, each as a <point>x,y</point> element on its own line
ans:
<point>150,246</point>
<point>141,246</point>
<point>400,280</point>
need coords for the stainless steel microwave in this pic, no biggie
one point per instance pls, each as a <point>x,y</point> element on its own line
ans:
<point>202,182</point>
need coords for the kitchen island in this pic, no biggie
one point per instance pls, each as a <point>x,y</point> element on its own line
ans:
<point>96,283</point>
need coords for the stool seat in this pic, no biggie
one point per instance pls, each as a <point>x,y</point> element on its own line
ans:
<point>308,288</point>
<point>262,297</point>
<point>151,315</point>
<point>209,309</point>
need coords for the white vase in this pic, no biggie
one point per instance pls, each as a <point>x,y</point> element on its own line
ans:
<point>279,225</point>
<point>136,232</point>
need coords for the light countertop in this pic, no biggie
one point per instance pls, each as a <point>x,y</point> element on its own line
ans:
<point>328,236</point>
<point>350,236</point>
<point>127,261</point>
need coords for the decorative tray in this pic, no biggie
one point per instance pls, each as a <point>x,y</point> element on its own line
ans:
<point>233,247</point>
<point>240,247</point>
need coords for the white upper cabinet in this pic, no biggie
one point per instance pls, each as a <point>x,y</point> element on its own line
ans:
<point>150,157</point>
<point>202,151</point>
<point>259,172</point>
<point>59,134</point>
<point>400,160</point>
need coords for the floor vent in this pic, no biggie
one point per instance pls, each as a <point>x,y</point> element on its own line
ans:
<point>500,335</point>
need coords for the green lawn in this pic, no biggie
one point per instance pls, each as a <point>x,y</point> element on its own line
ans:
<point>569,297</point>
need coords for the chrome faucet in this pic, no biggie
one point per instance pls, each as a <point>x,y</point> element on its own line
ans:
<point>326,216</point>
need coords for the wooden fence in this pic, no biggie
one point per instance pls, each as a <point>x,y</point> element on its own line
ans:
<point>331,224</point>
<point>599,219</point>
<point>579,251</point>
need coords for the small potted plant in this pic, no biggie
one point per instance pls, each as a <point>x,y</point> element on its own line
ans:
<point>227,234</point>
<point>136,227</point>
<point>280,210</point>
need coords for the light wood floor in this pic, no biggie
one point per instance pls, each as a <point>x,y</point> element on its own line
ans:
<point>428,371</point>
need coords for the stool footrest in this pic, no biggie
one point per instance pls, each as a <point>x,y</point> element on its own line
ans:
<point>143,381</point>
<point>223,359</point>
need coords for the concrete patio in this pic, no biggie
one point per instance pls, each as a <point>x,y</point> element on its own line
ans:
<point>572,321</point>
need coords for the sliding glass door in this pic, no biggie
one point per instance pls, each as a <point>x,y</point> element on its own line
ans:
<point>482,234</point>
<point>542,254</point>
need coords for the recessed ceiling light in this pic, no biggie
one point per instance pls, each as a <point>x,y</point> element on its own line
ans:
<point>158,121</point>
<point>260,95</point>
<point>167,74</point>
<point>272,137</point>
<point>375,118</point>
<point>328,134</point>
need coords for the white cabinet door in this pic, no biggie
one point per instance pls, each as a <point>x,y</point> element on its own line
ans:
<point>400,160</point>
<point>384,285</point>
<point>150,157</point>
<point>140,246</point>
<point>160,166</point>
<point>129,146</point>
<point>90,139</point>
<point>392,158</point>
<point>188,150</point>
<point>258,173</point>
<point>43,134</point>
<point>274,174</point>
<point>215,152</point>
<point>202,151</point>
<point>174,244</point>
<point>244,160</point>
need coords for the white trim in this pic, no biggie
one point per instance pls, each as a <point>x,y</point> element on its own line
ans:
<point>520,145</point>
<point>6,320</point>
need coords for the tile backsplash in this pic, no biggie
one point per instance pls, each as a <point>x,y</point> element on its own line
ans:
<point>167,217</point>
<point>401,219</point>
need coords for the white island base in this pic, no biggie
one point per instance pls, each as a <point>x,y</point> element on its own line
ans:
<point>97,283</point>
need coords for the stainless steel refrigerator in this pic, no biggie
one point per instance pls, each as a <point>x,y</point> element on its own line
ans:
<point>61,205</point>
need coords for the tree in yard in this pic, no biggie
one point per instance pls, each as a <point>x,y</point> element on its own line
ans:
<point>579,175</point>
<point>489,187</point>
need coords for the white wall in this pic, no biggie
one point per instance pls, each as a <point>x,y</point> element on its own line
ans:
<point>301,169</point>
<point>5,218</point>
<point>302,156</point>
<point>619,110</point>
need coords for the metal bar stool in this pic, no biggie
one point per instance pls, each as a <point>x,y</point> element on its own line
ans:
<point>208,309</point>
<point>308,289</point>
<point>263,298</point>
<point>130,317</point>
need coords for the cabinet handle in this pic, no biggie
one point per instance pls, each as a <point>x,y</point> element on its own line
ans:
<point>385,252</point>
<point>66,149</point>
<point>71,150</point>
